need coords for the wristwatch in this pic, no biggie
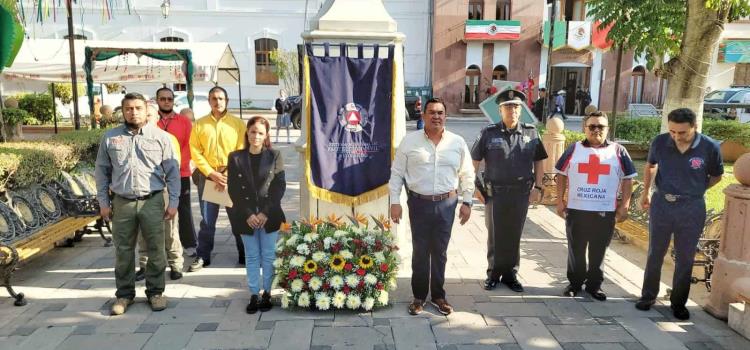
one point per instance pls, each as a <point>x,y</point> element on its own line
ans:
<point>538,187</point>
<point>469,204</point>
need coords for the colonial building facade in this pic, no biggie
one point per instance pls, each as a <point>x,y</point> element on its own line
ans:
<point>253,29</point>
<point>477,42</point>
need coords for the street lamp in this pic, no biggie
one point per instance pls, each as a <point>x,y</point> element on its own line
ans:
<point>165,8</point>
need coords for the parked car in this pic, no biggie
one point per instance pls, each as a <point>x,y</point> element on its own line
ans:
<point>713,102</point>
<point>296,101</point>
<point>200,103</point>
<point>411,110</point>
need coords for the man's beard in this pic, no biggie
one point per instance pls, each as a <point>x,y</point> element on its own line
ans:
<point>134,126</point>
<point>166,111</point>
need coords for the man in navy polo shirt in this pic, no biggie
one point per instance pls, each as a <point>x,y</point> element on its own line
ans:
<point>686,164</point>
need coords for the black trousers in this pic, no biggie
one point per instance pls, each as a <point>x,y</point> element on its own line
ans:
<point>592,230</point>
<point>505,214</point>
<point>685,220</point>
<point>431,224</point>
<point>188,237</point>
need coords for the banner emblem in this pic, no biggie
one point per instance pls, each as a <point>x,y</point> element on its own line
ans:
<point>352,117</point>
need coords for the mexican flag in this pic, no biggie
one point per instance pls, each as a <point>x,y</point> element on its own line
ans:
<point>11,33</point>
<point>492,30</point>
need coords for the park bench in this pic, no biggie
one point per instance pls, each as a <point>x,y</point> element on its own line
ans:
<point>637,110</point>
<point>38,219</point>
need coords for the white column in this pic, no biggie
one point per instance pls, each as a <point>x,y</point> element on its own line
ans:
<point>543,69</point>
<point>501,55</point>
<point>474,53</point>
<point>596,77</point>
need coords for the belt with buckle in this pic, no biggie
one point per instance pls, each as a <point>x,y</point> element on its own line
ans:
<point>142,198</point>
<point>671,198</point>
<point>433,197</point>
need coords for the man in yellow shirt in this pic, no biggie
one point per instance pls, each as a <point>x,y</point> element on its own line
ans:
<point>213,137</point>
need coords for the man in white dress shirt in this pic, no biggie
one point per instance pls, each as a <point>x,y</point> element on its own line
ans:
<point>434,164</point>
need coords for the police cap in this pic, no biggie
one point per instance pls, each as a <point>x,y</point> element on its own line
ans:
<point>510,96</point>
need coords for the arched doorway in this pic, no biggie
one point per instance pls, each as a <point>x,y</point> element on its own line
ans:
<point>636,84</point>
<point>471,89</point>
<point>500,73</point>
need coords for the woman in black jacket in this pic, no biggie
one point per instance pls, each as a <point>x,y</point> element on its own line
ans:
<point>256,184</point>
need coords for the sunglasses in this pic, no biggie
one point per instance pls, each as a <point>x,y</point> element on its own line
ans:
<point>166,99</point>
<point>593,127</point>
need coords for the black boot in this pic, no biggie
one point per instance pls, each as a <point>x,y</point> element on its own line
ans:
<point>265,302</point>
<point>253,306</point>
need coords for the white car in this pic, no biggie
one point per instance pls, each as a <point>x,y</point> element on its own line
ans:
<point>200,103</point>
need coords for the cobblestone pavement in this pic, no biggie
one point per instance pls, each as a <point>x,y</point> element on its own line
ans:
<point>70,291</point>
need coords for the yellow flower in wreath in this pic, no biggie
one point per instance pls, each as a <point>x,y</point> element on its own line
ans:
<point>337,262</point>
<point>310,266</point>
<point>365,262</point>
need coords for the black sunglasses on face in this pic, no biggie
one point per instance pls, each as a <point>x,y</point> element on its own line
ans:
<point>166,99</point>
<point>593,127</point>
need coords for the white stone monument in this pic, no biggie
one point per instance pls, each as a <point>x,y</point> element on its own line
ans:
<point>354,22</point>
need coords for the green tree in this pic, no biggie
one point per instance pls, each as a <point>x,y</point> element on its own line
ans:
<point>113,87</point>
<point>286,69</point>
<point>685,31</point>
<point>64,91</point>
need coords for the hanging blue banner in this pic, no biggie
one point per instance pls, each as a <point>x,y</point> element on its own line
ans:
<point>350,116</point>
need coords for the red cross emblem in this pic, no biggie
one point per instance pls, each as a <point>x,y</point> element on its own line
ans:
<point>593,169</point>
<point>353,117</point>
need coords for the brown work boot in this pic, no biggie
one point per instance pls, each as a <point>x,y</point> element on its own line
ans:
<point>120,306</point>
<point>442,306</point>
<point>158,302</point>
<point>416,307</point>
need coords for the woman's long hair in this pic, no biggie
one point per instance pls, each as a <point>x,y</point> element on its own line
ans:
<point>256,119</point>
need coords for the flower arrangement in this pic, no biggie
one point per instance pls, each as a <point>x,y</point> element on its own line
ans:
<point>328,264</point>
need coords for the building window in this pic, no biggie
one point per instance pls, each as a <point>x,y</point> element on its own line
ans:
<point>636,84</point>
<point>264,68</point>
<point>476,7</point>
<point>500,73</point>
<point>741,74</point>
<point>502,13</point>
<point>171,39</point>
<point>471,89</point>
<point>76,37</point>
<point>180,87</point>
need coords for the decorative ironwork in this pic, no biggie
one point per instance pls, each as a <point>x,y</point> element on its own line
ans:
<point>707,249</point>
<point>48,204</point>
<point>7,223</point>
<point>29,216</point>
<point>8,261</point>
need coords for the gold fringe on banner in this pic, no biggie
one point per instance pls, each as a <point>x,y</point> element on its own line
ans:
<point>330,196</point>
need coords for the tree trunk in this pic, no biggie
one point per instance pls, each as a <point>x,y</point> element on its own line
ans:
<point>688,72</point>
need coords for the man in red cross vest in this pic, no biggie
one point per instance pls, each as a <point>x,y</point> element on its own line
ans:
<point>591,173</point>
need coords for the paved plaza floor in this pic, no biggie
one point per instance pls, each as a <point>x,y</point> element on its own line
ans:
<point>70,291</point>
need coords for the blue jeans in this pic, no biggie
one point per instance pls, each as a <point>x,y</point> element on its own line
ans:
<point>260,252</point>
<point>209,214</point>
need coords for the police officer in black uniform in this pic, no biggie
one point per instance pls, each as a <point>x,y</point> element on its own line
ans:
<point>512,152</point>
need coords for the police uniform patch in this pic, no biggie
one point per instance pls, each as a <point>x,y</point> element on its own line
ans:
<point>526,138</point>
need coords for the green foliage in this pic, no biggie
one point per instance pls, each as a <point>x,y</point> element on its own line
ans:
<point>9,164</point>
<point>725,130</point>
<point>572,137</point>
<point>14,116</point>
<point>637,130</point>
<point>64,91</point>
<point>643,130</point>
<point>40,106</point>
<point>113,87</point>
<point>33,163</point>
<point>287,69</point>
<point>84,143</point>
<point>654,27</point>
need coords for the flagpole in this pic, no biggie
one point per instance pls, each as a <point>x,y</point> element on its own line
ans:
<point>73,75</point>
<point>548,80</point>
